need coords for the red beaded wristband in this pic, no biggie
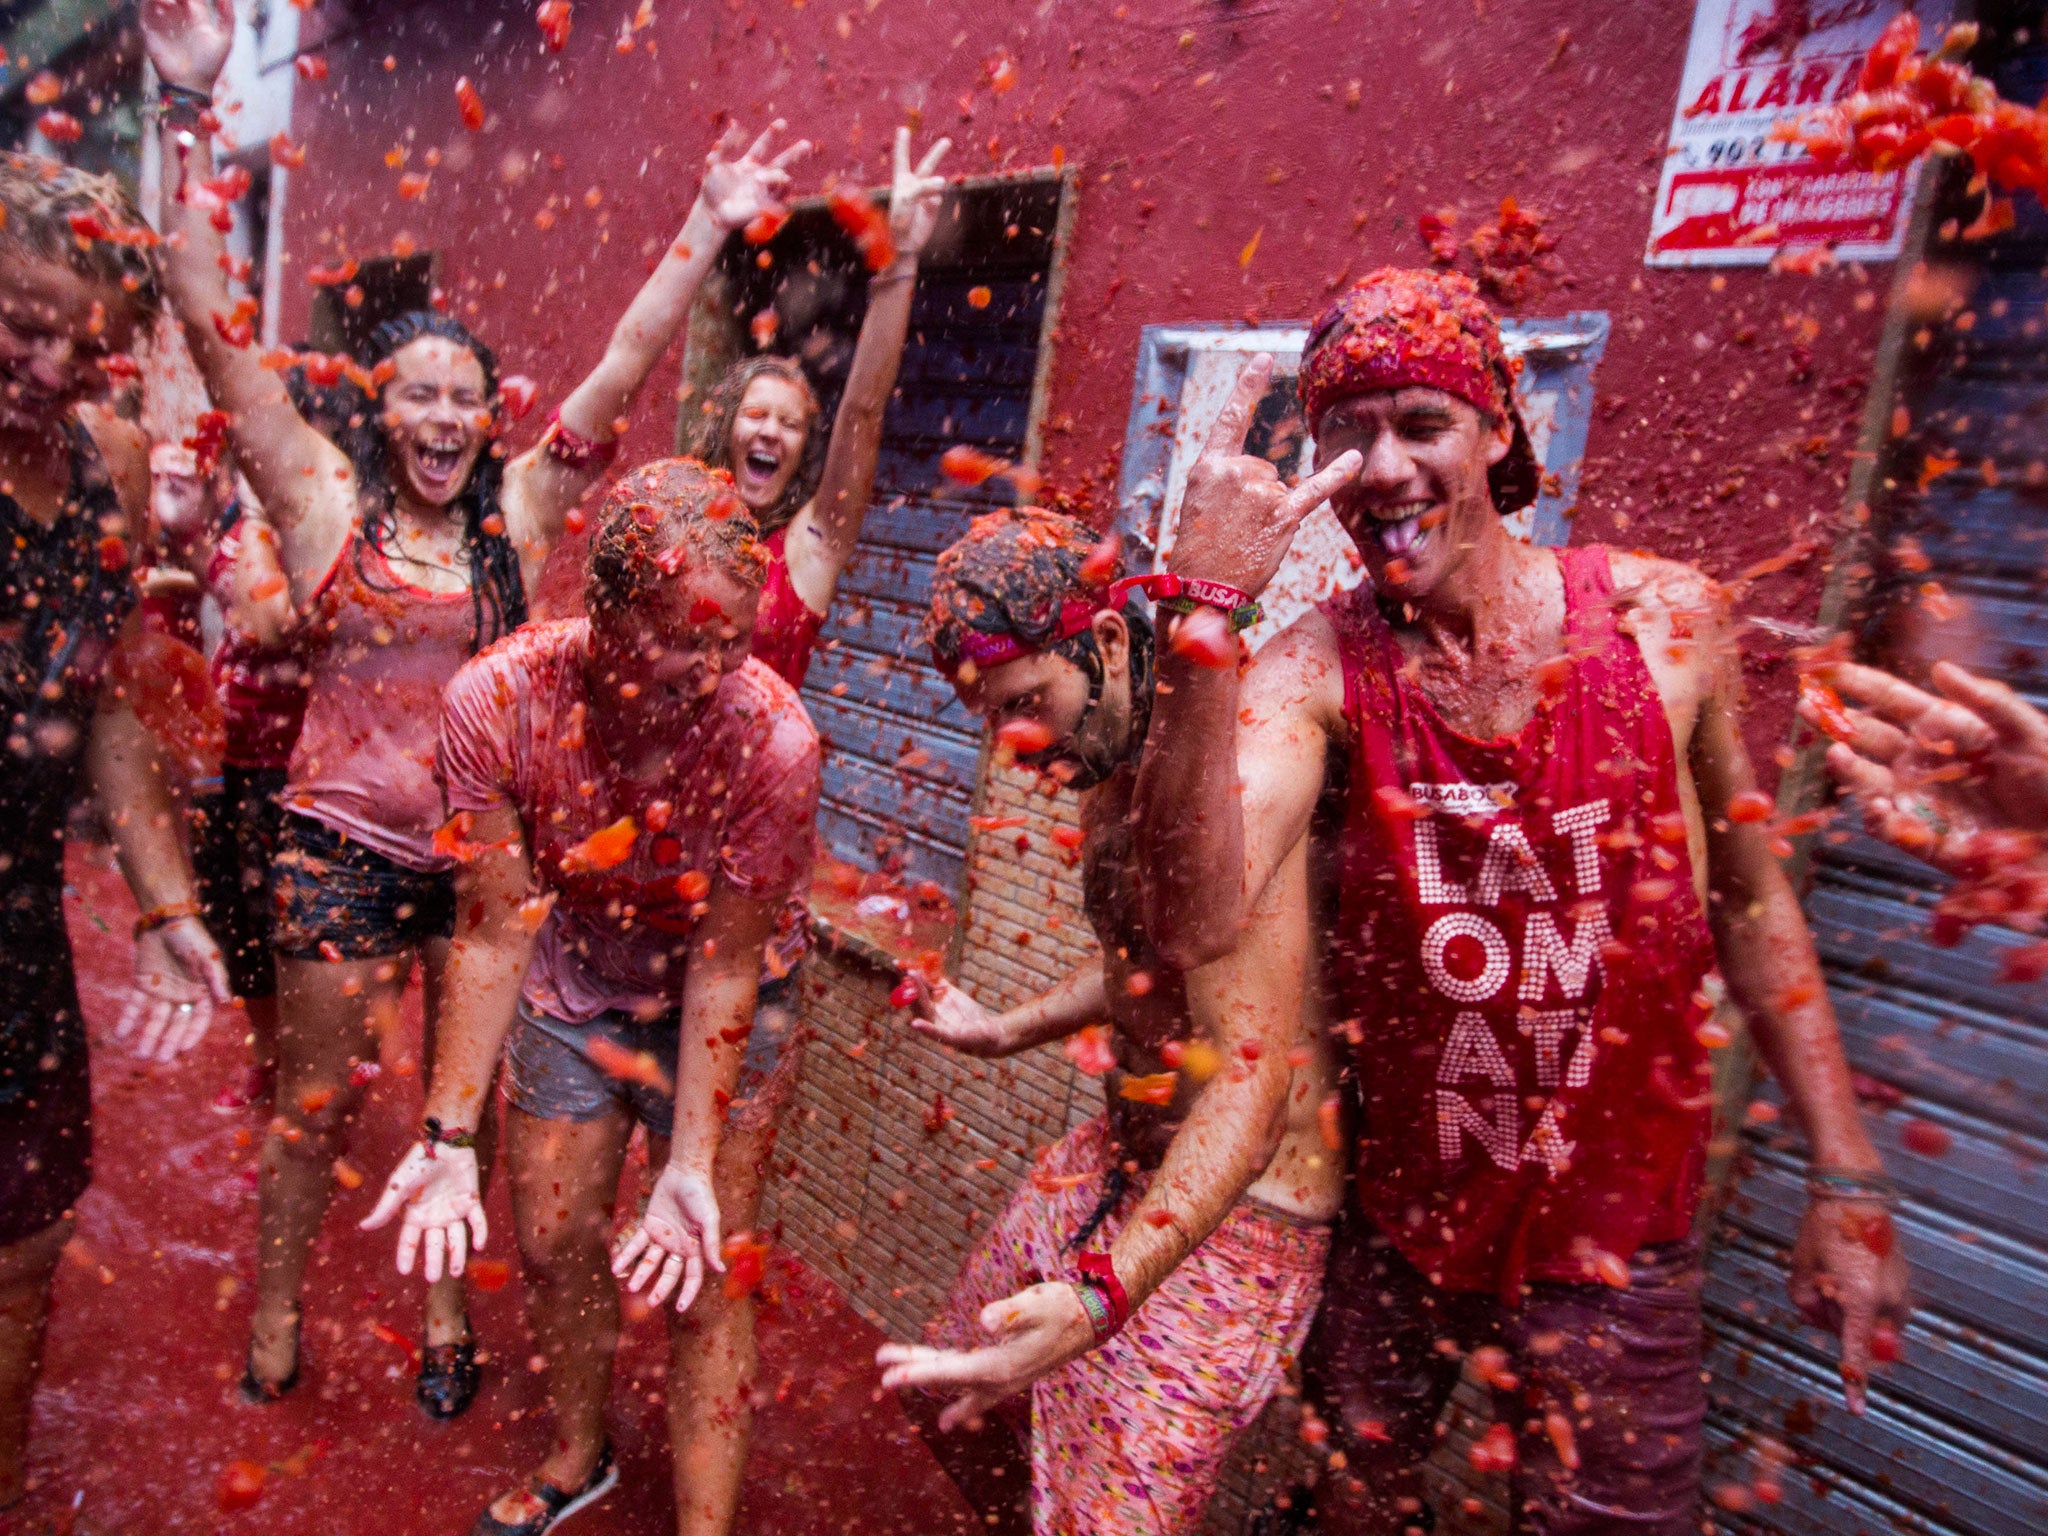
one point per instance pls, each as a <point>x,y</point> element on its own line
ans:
<point>572,450</point>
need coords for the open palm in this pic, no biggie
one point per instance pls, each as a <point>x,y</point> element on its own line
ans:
<point>188,40</point>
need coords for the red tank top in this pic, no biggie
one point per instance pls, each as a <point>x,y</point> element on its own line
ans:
<point>1518,945</point>
<point>785,627</point>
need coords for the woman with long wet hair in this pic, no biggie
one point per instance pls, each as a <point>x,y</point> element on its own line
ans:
<point>413,550</point>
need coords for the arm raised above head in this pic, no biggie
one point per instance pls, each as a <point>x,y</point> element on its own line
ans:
<point>305,482</point>
<point>738,188</point>
<point>819,549</point>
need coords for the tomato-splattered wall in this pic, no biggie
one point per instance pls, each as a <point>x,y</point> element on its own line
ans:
<point>1233,161</point>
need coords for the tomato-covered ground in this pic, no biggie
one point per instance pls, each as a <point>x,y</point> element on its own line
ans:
<point>137,1415</point>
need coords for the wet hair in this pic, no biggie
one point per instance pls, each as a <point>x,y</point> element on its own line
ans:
<point>497,589</point>
<point>711,439</point>
<point>1013,573</point>
<point>39,197</point>
<point>671,505</point>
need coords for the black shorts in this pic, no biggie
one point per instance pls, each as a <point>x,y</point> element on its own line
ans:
<point>338,900</point>
<point>233,845</point>
<point>45,1075</point>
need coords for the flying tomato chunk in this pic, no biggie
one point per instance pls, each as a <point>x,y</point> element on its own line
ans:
<point>1024,737</point>
<point>516,394</point>
<point>866,224</point>
<point>970,466</point>
<point>763,227</point>
<point>614,1060</point>
<point>554,21</point>
<point>470,104</point>
<point>239,1486</point>
<point>1204,638</point>
<point>311,66</point>
<point>43,89</point>
<point>1089,1050</point>
<point>285,154</point>
<point>1751,805</point>
<point>60,127</point>
<point>605,848</point>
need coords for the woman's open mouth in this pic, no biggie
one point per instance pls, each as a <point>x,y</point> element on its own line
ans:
<point>760,465</point>
<point>437,465</point>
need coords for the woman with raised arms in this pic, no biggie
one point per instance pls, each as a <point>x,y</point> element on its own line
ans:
<point>414,550</point>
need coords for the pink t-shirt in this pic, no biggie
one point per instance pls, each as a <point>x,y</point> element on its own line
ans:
<point>741,799</point>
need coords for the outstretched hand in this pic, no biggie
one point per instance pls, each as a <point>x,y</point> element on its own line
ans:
<point>736,192</point>
<point>179,979</point>
<point>188,40</point>
<point>676,1236</point>
<point>1036,1332</point>
<point>437,1188</point>
<point>1936,774</point>
<point>951,1016</point>
<point>1237,517</point>
<point>914,195</point>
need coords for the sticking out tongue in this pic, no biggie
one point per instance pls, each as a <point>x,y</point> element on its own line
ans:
<point>1399,538</point>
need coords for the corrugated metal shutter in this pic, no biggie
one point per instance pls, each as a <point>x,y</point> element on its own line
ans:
<point>1957,1433</point>
<point>967,377</point>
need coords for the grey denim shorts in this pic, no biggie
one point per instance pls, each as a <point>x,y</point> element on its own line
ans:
<point>549,1073</point>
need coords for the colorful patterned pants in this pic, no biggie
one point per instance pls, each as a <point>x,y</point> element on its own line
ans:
<point>1129,1439</point>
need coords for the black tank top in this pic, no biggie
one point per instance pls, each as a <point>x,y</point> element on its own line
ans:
<point>65,591</point>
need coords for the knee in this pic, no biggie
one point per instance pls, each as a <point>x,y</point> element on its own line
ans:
<point>562,1250</point>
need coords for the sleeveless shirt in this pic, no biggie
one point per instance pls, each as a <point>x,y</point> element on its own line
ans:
<point>1518,945</point>
<point>381,652</point>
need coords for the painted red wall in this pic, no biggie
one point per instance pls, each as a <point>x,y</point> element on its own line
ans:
<point>1728,405</point>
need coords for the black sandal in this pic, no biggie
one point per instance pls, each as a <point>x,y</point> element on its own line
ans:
<point>448,1378</point>
<point>557,1504</point>
<point>256,1391</point>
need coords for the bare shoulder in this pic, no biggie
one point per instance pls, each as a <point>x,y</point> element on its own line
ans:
<point>1679,616</point>
<point>1297,678</point>
<point>125,451</point>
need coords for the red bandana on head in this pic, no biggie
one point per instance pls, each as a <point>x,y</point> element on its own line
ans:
<point>1399,327</point>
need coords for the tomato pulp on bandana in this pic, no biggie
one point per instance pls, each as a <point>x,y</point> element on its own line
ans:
<point>737,803</point>
<point>1519,942</point>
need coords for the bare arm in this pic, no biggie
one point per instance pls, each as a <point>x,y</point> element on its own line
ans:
<point>539,488</point>
<point>951,1016</point>
<point>821,542</point>
<point>480,992</point>
<point>179,974</point>
<point>719,993</point>
<point>259,601</point>
<point>1236,523</point>
<point>1249,1006</point>
<point>677,1236</point>
<point>304,481</point>
<point>1847,1273</point>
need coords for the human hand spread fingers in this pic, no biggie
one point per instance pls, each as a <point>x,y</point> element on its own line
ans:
<point>736,191</point>
<point>675,1240</point>
<point>1035,1331</point>
<point>1238,518</point>
<point>914,194</point>
<point>188,40</point>
<point>437,1190</point>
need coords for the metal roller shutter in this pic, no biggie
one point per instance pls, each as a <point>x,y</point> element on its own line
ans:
<point>1956,1439</point>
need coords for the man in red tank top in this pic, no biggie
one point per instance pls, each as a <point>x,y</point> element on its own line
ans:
<point>1515,765</point>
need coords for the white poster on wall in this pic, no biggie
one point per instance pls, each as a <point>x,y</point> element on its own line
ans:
<point>1731,196</point>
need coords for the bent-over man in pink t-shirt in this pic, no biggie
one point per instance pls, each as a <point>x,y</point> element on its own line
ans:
<point>633,802</point>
